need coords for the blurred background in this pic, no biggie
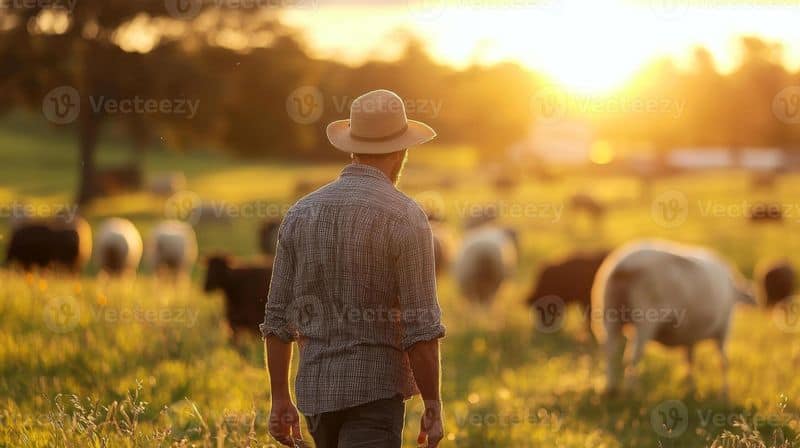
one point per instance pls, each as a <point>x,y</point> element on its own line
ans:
<point>140,141</point>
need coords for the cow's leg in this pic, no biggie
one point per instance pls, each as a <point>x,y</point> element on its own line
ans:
<point>615,351</point>
<point>645,331</point>
<point>690,367</point>
<point>587,322</point>
<point>722,343</point>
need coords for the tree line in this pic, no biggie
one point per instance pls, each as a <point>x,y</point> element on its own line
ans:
<point>188,86</point>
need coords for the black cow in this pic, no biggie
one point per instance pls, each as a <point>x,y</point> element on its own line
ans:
<point>566,281</point>
<point>245,288</point>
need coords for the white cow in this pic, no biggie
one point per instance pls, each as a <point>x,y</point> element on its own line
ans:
<point>673,294</point>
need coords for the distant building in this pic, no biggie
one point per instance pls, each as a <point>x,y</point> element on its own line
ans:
<point>762,159</point>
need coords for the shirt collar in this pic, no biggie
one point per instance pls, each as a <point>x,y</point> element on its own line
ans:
<point>362,170</point>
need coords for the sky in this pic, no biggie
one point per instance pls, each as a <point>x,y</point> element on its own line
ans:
<point>585,45</point>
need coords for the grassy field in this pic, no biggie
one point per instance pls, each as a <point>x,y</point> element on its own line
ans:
<point>88,362</point>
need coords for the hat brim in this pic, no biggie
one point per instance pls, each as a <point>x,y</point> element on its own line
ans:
<point>416,134</point>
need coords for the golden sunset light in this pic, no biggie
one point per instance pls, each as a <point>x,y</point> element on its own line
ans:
<point>400,223</point>
<point>586,46</point>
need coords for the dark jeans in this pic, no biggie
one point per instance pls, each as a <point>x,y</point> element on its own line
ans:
<point>378,424</point>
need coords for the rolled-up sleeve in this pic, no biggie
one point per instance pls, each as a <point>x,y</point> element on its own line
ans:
<point>279,300</point>
<point>420,313</point>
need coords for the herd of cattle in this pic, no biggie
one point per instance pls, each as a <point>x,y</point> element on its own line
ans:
<point>674,294</point>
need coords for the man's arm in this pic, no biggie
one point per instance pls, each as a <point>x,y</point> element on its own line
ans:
<point>284,421</point>
<point>279,358</point>
<point>424,360</point>
<point>421,319</point>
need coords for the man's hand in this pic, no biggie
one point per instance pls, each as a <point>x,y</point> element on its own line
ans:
<point>431,430</point>
<point>284,422</point>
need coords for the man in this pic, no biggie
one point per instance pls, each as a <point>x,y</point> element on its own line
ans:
<point>354,285</point>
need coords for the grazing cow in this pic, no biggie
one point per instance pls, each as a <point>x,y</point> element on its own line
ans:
<point>268,236</point>
<point>570,280</point>
<point>118,249</point>
<point>776,281</point>
<point>673,294</point>
<point>488,256</point>
<point>766,212</point>
<point>172,248</point>
<point>59,243</point>
<point>245,288</point>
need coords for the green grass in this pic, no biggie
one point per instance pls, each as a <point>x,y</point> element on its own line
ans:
<point>88,362</point>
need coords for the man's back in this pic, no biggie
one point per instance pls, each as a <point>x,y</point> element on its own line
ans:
<point>354,284</point>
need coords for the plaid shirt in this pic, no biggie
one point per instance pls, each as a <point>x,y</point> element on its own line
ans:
<point>353,283</point>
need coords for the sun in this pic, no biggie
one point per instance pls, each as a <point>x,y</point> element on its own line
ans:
<point>595,47</point>
<point>587,47</point>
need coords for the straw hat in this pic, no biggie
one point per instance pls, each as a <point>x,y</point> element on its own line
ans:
<point>378,125</point>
